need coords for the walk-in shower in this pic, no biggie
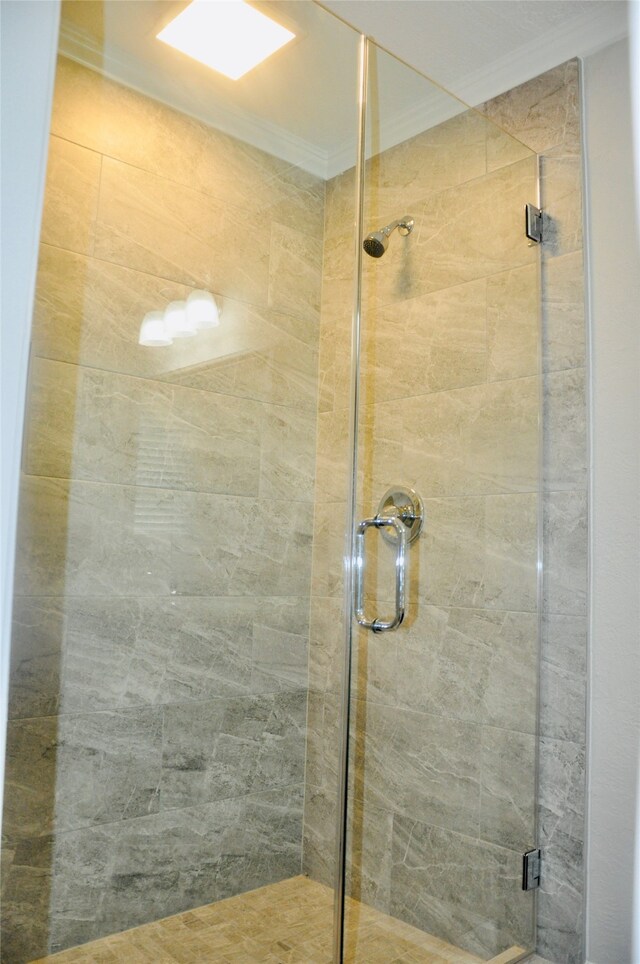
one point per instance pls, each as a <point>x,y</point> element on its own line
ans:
<point>277,584</point>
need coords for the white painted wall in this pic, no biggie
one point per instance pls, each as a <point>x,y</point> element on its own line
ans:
<point>634,39</point>
<point>614,291</point>
<point>28,44</point>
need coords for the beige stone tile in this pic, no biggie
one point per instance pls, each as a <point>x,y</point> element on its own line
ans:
<point>105,427</point>
<point>155,225</point>
<point>71,196</point>
<point>565,553</point>
<point>565,430</point>
<point>124,124</point>
<point>472,244</point>
<point>322,744</point>
<point>513,323</point>
<point>131,127</point>
<point>295,266</point>
<point>229,546</point>
<point>251,355</point>
<point>427,344</point>
<point>338,277</point>
<point>333,456</point>
<point>543,112</point>
<point>380,453</point>
<point>479,553</point>
<point>334,362</point>
<point>449,154</point>
<point>89,312</point>
<point>561,197</point>
<point>455,240</point>
<point>40,546</point>
<point>468,664</point>
<point>291,325</point>
<point>287,453</point>
<point>511,552</point>
<point>340,202</point>
<point>477,440</point>
<point>508,795</point>
<point>326,636</point>
<point>328,548</point>
<point>296,198</point>
<point>510,955</point>
<point>503,149</point>
<point>210,443</point>
<point>266,184</point>
<point>564,329</point>
<point>51,418</point>
<point>84,538</point>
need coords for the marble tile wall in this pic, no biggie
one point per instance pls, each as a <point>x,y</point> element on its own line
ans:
<point>444,710</point>
<point>545,115</point>
<point>159,662</point>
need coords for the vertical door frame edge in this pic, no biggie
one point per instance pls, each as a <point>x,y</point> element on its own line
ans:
<point>354,402</point>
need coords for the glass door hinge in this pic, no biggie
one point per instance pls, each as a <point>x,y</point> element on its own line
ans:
<point>531,863</point>
<point>533,224</point>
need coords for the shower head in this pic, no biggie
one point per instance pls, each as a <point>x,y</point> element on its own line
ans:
<point>376,243</point>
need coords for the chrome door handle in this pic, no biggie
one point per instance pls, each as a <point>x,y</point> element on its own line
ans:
<point>381,522</point>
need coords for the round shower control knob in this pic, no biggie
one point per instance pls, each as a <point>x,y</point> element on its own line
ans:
<point>406,504</point>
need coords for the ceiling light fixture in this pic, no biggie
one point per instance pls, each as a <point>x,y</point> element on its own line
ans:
<point>229,36</point>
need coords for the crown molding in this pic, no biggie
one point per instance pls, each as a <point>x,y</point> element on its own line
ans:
<point>420,117</point>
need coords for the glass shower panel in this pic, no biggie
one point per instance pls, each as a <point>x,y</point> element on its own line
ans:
<point>160,678</point>
<point>442,761</point>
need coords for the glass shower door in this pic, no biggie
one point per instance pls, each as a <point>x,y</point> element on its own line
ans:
<point>442,753</point>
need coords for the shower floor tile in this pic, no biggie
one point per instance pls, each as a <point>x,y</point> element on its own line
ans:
<point>284,923</point>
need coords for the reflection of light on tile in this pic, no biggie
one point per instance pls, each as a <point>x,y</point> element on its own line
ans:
<point>242,331</point>
<point>180,319</point>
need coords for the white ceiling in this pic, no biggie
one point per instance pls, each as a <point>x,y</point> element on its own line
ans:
<point>480,48</point>
<point>300,104</point>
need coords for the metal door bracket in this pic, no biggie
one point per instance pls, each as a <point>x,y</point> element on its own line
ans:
<point>533,223</point>
<point>531,866</point>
